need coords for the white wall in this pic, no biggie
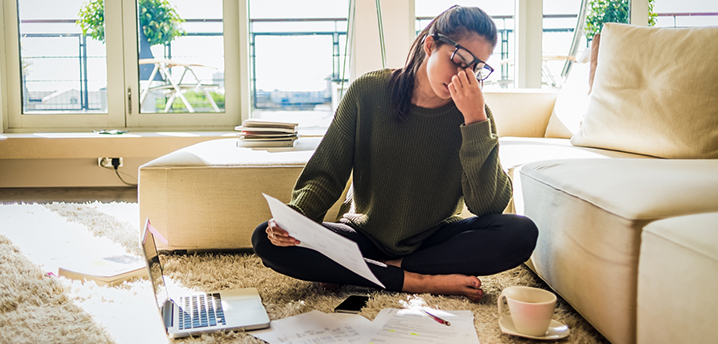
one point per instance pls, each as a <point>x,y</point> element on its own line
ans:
<point>70,160</point>
<point>398,21</point>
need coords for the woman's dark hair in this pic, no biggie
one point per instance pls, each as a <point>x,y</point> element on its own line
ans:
<point>455,23</point>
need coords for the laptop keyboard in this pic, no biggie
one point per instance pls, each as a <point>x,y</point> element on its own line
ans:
<point>200,311</point>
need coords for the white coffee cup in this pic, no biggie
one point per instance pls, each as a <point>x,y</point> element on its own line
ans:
<point>531,309</point>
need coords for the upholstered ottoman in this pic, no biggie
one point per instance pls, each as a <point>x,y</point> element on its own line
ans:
<point>678,279</point>
<point>209,196</point>
<point>591,213</point>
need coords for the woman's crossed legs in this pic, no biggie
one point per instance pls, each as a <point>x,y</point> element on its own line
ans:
<point>446,263</point>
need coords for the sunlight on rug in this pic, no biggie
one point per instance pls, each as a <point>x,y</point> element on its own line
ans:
<point>50,235</point>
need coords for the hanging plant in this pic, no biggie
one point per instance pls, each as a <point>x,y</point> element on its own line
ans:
<point>611,11</point>
<point>159,21</point>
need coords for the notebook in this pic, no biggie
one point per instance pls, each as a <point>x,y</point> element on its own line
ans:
<point>197,312</point>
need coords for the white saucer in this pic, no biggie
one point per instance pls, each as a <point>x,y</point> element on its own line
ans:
<point>556,330</point>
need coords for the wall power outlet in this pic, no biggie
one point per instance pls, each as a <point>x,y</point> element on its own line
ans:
<point>106,162</point>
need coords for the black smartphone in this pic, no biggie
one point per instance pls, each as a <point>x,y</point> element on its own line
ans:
<point>353,304</point>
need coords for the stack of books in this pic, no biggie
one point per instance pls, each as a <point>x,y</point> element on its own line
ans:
<point>266,133</point>
<point>110,270</point>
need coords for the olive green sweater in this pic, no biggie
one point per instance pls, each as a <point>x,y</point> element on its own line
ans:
<point>409,177</point>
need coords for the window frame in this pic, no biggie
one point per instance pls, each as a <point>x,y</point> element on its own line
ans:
<point>122,83</point>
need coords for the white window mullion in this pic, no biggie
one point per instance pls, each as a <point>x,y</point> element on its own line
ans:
<point>639,12</point>
<point>528,31</point>
<point>130,91</point>
<point>116,69</point>
<point>3,70</point>
<point>12,60</point>
<point>237,42</point>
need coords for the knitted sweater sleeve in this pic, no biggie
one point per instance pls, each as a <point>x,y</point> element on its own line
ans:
<point>325,176</point>
<point>486,187</point>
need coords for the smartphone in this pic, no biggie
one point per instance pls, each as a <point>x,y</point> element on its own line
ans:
<point>353,304</point>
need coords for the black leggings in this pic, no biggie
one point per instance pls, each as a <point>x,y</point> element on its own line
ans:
<point>476,246</point>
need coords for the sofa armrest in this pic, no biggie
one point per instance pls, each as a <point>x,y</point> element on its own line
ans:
<point>521,112</point>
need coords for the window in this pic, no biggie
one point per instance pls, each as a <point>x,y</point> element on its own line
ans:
<point>297,60</point>
<point>78,65</point>
<point>62,70</point>
<point>181,63</point>
<point>501,12</point>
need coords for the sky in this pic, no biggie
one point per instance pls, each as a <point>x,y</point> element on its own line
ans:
<point>298,64</point>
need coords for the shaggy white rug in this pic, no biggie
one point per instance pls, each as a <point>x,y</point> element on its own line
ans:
<point>34,307</point>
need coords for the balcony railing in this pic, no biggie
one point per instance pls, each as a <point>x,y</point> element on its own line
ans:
<point>89,101</point>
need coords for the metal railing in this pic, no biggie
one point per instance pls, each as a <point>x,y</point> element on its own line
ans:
<point>337,35</point>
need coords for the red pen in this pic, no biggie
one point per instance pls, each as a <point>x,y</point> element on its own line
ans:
<point>437,319</point>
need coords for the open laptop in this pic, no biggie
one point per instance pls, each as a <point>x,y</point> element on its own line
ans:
<point>197,312</point>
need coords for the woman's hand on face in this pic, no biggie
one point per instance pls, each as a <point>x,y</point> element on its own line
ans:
<point>467,95</point>
<point>278,236</point>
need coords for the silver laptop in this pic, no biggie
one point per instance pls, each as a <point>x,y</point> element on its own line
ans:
<point>197,312</point>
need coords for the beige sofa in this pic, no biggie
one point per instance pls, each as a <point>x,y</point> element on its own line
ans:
<point>628,232</point>
<point>624,189</point>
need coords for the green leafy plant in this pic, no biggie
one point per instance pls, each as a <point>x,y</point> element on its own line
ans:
<point>611,11</point>
<point>159,21</point>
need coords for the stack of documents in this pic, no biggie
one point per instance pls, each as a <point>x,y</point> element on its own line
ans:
<point>391,326</point>
<point>266,133</point>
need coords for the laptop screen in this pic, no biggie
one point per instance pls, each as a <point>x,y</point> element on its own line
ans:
<point>154,267</point>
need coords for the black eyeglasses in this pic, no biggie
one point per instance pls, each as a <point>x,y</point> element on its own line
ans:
<point>463,58</point>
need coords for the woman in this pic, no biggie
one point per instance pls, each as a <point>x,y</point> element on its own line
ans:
<point>419,143</point>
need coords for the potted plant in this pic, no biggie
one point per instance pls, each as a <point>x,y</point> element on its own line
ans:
<point>159,24</point>
<point>611,11</point>
<point>159,21</point>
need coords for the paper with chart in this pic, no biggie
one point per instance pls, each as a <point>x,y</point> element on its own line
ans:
<point>408,326</point>
<point>316,237</point>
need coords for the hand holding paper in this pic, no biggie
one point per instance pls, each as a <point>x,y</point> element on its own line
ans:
<point>313,236</point>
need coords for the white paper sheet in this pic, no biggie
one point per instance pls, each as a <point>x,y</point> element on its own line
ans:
<point>315,327</point>
<point>314,236</point>
<point>408,326</point>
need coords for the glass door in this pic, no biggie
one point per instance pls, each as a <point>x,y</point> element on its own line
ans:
<point>184,63</point>
<point>57,71</point>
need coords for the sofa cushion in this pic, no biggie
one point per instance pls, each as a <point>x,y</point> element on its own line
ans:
<point>515,152</point>
<point>635,189</point>
<point>655,93</point>
<point>590,214</point>
<point>518,151</point>
<point>571,102</point>
<point>677,278</point>
<point>521,112</point>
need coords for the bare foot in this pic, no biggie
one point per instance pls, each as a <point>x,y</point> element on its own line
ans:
<point>469,286</point>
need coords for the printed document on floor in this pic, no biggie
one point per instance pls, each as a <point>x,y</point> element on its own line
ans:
<point>316,237</point>
<point>409,326</point>
<point>315,327</point>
